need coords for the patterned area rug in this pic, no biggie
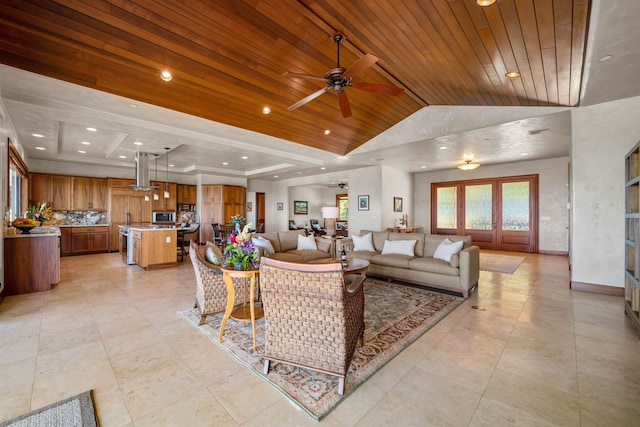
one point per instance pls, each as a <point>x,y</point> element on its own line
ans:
<point>395,316</point>
<point>500,263</point>
<point>76,411</point>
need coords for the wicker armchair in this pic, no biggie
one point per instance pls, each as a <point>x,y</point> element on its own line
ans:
<point>211,292</point>
<point>313,319</point>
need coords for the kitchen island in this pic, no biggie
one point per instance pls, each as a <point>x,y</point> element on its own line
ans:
<point>153,246</point>
<point>31,261</point>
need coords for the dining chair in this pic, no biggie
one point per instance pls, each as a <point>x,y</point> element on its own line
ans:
<point>217,235</point>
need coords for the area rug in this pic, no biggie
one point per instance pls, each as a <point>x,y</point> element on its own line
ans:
<point>500,263</point>
<point>395,316</point>
<point>76,411</point>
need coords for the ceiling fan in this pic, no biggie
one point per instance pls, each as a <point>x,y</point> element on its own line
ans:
<point>341,184</point>
<point>338,78</point>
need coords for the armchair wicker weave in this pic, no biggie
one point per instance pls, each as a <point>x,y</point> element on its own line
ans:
<point>313,319</point>
<point>211,292</point>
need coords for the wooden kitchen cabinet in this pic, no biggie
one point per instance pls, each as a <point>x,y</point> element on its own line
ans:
<point>31,264</point>
<point>86,240</point>
<point>88,193</point>
<point>187,194</point>
<point>155,248</point>
<point>219,204</point>
<point>163,204</point>
<point>124,204</point>
<point>65,241</point>
<point>53,189</point>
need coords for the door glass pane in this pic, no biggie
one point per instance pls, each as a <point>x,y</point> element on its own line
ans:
<point>446,213</point>
<point>478,205</point>
<point>515,206</point>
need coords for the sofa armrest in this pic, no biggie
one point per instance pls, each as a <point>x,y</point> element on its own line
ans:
<point>325,245</point>
<point>469,267</point>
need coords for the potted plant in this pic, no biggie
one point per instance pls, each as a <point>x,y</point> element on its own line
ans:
<point>240,252</point>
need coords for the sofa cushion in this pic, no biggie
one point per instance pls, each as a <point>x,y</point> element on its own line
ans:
<point>418,249</point>
<point>400,247</point>
<point>431,242</point>
<point>367,255</point>
<point>306,243</point>
<point>289,239</point>
<point>306,255</point>
<point>287,256</point>
<point>433,265</point>
<point>378,238</point>
<point>261,242</point>
<point>446,248</point>
<point>363,243</point>
<point>273,238</point>
<point>392,260</point>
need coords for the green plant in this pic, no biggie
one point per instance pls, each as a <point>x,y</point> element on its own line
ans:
<point>241,249</point>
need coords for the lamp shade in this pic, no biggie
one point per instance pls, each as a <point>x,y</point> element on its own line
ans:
<point>330,212</point>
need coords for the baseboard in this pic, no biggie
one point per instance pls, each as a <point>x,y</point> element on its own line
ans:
<point>596,289</point>
<point>559,253</point>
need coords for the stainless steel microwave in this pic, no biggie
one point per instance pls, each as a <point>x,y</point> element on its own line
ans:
<point>163,216</point>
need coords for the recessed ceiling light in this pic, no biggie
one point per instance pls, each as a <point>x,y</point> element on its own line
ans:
<point>40,148</point>
<point>133,106</point>
<point>122,157</point>
<point>275,176</point>
<point>86,143</point>
<point>327,131</point>
<point>523,154</point>
<point>606,58</point>
<point>423,167</point>
<point>82,152</point>
<point>138,143</point>
<point>244,157</point>
<point>443,148</point>
<point>485,3</point>
<point>166,76</point>
<point>266,110</point>
<point>37,135</point>
<point>225,163</point>
<point>513,74</point>
<point>92,129</point>
<point>171,166</point>
<point>322,168</point>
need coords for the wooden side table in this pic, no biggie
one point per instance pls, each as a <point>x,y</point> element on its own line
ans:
<point>243,312</point>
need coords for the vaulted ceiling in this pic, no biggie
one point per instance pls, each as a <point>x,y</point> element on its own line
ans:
<point>227,57</point>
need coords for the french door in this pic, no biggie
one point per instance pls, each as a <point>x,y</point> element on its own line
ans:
<point>498,213</point>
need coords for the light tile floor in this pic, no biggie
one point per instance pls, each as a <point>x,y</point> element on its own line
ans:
<point>539,354</point>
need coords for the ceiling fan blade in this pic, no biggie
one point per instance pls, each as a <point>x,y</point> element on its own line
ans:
<point>304,76</point>
<point>306,99</point>
<point>345,106</point>
<point>375,87</point>
<point>360,65</point>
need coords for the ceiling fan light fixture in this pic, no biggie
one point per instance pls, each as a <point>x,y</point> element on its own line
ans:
<point>166,76</point>
<point>467,165</point>
<point>513,74</point>
<point>485,3</point>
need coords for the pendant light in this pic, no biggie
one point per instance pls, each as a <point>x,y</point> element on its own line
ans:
<point>166,183</point>
<point>156,196</point>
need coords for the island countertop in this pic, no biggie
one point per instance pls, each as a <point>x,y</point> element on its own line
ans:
<point>12,232</point>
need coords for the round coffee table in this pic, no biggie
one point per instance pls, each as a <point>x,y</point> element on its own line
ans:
<point>354,265</point>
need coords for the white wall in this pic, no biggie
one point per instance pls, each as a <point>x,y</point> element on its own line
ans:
<point>602,136</point>
<point>396,183</point>
<point>553,195</point>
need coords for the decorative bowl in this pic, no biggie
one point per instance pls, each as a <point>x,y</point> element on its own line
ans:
<point>25,228</point>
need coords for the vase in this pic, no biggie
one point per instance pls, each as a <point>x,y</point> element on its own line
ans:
<point>237,228</point>
<point>237,265</point>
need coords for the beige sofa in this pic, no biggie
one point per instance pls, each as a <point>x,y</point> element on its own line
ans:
<point>460,274</point>
<point>285,245</point>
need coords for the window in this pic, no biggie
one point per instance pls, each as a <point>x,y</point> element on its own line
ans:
<point>342,201</point>
<point>17,183</point>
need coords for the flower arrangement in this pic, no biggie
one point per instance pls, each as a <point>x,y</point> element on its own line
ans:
<point>40,212</point>
<point>237,219</point>
<point>241,249</point>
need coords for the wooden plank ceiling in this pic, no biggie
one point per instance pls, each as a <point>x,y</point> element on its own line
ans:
<point>227,56</point>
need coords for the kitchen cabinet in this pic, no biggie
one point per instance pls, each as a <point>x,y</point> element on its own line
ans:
<point>53,189</point>
<point>219,204</point>
<point>125,206</point>
<point>187,194</point>
<point>31,263</point>
<point>163,204</point>
<point>85,240</point>
<point>154,249</point>
<point>88,193</point>
<point>65,241</point>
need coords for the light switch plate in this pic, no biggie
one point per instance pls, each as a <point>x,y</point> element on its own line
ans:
<point>168,239</point>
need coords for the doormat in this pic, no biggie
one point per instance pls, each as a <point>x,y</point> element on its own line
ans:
<point>395,316</point>
<point>76,411</point>
<point>500,263</point>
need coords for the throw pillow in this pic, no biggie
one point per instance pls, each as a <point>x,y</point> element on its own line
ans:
<point>363,243</point>
<point>306,243</point>
<point>261,242</point>
<point>446,248</point>
<point>213,254</point>
<point>399,247</point>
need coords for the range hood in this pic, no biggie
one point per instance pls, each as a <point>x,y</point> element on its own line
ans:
<point>142,173</point>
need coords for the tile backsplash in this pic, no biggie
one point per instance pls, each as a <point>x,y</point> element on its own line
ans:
<point>78,218</point>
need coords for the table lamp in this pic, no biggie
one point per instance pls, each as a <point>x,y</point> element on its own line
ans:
<point>330,214</point>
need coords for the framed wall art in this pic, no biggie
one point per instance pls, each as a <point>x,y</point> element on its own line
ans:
<point>280,207</point>
<point>300,208</point>
<point>363,203</point>
<point>397,204</point>
<point>249,206</point>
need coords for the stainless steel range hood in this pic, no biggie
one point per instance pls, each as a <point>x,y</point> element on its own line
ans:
<point>142,173</point>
